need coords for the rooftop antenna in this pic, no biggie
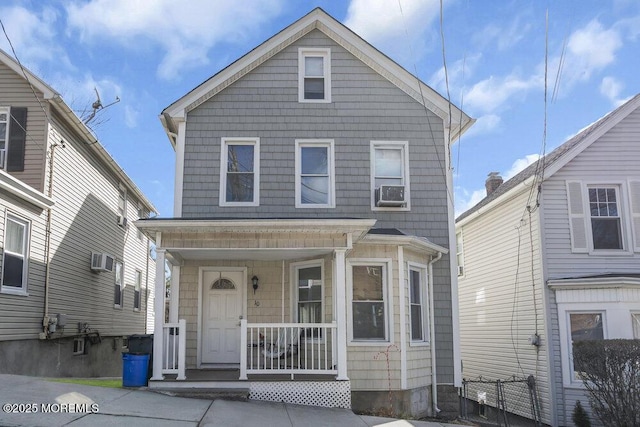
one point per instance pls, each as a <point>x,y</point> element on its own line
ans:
<point>97,106</point>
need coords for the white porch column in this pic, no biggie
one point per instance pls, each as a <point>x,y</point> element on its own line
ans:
<point>341,312</point>
<point>158,345</point>
<point>175,294</point>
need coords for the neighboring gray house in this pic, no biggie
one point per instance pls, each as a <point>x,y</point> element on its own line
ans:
<point>311,229</point>
<point>552,256</point>
<point>74,270</point>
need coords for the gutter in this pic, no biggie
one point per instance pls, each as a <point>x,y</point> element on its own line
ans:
<point>432,338</point>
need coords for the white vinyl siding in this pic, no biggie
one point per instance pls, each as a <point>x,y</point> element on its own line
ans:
<point>240,172</point>
<point>314,75</point>
<point>315,174</point>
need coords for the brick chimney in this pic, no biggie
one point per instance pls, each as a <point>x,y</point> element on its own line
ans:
<point>492,183</point>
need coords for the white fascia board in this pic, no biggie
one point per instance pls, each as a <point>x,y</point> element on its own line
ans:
<point>94,144</point>
<point>594,282</point>
<point>41,86</point>
<point>515,191</point>
<point>24,191</point>
<point>358,226</point>
<point>376,60</point>
<point>410,242</point>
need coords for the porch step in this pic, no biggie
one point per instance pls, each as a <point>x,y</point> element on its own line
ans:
<point>238,394</point>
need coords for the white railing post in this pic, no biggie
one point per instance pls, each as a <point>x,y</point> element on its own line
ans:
<point>341,313</point>
<point>158,324</point>
<point>243,349</point>
<point>182,349</point>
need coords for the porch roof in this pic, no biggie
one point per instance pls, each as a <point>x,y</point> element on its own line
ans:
<point>263,230</point>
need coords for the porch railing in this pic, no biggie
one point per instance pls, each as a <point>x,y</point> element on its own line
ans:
<point>288,348</point>
<point>174,348</point>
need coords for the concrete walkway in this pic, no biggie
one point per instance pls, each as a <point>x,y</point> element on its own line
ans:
<point>30,401</point>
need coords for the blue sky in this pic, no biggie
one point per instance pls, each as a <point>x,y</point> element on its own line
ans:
<point>150,53</point>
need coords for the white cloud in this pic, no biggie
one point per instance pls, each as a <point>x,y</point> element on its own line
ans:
<point>483,125</point>
<point>467,200</point>
<point>490,94</point>
<point>403,34</point>
<point>611,88</point>
<point>33,36</point>
<point>130,116</point>
<point>503,37</point>
<point>519,165</point>
<point>185,32</point>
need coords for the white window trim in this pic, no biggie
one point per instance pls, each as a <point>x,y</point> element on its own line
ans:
<point>137,286</point>
<point>7,110</point>
<point>404,146</point>
<point>329,143</point>
<point>326,54</point>
<point>624,213</point>
<point>635,313</point>
<point>122,189</point>
<point>386,264</point>
<point>224,153</point>
<point>122,285</point>
<point>460,253</point>
<point>566,347</point>
<point>22,291</point>
<point>424,297</point>
<point>293,274</point>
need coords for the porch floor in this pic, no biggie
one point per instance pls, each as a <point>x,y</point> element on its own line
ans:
<point>233,375</point>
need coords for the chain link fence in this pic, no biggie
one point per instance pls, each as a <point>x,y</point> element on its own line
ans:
<point>500,399</point>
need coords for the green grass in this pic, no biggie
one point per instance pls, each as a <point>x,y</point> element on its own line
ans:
<point>97,382</point>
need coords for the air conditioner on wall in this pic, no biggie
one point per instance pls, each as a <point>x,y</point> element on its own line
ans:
<point>102,262</point>
<point>390,196</point>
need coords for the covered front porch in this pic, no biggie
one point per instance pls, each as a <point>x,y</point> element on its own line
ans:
<point>253,305</point>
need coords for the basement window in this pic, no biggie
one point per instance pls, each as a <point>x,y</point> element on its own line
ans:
<point>78,346</point>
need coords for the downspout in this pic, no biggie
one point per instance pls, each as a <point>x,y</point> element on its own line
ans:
<point>432,338</point>
<point>47,247</point>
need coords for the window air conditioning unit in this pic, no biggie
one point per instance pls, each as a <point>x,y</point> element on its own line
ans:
<point>102,262</point>
<point>122,221</point>
<point>390,196</point>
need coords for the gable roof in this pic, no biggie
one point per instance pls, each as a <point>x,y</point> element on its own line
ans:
<point>555,160</point>
<point>56,102</point>
<point>354,44</point>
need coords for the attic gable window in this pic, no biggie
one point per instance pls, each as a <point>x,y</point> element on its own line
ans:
<point>240,172</point>
<point>314,75</point>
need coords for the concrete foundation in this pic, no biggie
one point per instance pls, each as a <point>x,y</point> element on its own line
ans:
<point>55,358</point>
<point>415,403</point>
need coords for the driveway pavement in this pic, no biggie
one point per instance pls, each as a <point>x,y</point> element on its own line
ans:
<point>30,401</point>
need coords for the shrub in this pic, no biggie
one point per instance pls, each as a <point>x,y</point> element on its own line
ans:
<point>610,371</point>
<point>580,417</point>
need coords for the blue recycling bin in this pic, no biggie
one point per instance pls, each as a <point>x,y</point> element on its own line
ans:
<point>134,369</point>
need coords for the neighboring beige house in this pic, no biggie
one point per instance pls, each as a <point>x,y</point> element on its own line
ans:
<point>75,271</point>
<point>552,256</point>
<point>309,244</point>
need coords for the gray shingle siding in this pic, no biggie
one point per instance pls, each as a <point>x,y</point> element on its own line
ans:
<point>364,107</point>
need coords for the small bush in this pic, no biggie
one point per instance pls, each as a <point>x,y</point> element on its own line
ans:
<point>580,417</point>
<point>610,371</point>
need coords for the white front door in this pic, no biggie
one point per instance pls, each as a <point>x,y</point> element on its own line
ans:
<point>221,314</point>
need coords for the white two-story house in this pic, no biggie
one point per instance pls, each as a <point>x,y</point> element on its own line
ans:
<point>552,256</point>
<point>311,230</point>
<point>76,274</point>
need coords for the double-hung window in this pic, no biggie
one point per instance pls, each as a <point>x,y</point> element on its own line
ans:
<point>314,75</point>
<point>122,205</point>
<point>369,310</point>
<point>4,135</point>
<point>418,305</point>
<point>315,178</point>
<point>604,209</point>
<point>389,169</point>
<point>240,172</point>
<point>15,255</point>
<point>118,289</point>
